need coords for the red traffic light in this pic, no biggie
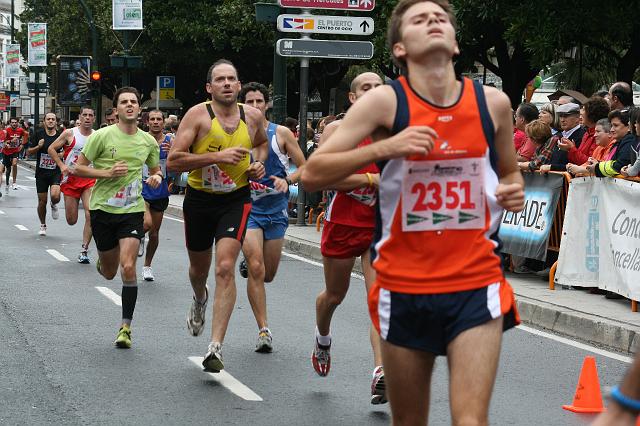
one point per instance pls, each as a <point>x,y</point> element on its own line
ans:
<point>96,76</point>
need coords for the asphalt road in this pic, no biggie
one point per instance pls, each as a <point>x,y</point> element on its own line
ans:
<point>58,364</point>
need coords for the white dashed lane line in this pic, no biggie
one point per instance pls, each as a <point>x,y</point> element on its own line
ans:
<point>57,255</point>
<point>21,227</point>
<point>228,381</point>
<point>109,294</point>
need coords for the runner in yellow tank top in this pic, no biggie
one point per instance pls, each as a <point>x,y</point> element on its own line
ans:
<point>221,178</point>
<point>213,142</point>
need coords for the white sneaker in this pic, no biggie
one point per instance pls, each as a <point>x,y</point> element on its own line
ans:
<point>6,189</point>
<point>195,317</point>
<point>147,273</point>
<point>212,362</point>
<point>43,230</point>
<point>55,214</point>
<point>14,187</point>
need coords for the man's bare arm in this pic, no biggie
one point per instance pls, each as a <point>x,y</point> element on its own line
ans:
<point>510,191</point>
<point>61,141</point>
<point>292,149</point>
<point>82,169</point>
<point>338,157</point>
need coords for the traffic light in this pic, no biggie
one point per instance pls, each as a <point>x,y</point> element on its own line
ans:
<point>96,80</point>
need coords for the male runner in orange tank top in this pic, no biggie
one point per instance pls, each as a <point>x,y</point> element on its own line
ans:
<point>448,168</point>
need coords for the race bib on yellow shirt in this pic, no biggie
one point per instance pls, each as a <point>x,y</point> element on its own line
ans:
<point>216,180</point>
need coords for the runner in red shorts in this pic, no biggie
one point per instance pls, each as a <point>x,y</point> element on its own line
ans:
<point>75,188</point>
<point>347,234</point>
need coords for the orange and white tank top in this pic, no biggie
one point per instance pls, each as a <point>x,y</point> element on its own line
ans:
<point>438,217</point>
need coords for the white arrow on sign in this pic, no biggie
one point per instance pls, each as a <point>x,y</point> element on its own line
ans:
<point>319,24</point>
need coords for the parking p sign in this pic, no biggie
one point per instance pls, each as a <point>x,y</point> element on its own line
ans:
<point>166,87</point>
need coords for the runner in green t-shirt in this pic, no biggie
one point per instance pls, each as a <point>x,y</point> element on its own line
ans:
<point>118,153</point>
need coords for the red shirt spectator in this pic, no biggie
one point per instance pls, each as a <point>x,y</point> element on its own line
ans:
<point>519,138</point>
<point>585,150</point>
<point>527,151</point>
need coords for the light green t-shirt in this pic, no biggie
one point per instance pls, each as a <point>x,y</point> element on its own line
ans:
<point>104,149</point>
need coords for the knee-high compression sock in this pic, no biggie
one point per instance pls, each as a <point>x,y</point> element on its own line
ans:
<point>129,297</point>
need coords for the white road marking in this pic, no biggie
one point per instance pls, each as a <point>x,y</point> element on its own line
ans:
<point>228,381</point>
<point>20,166</point>
<point>313,262</point>
<point>109,294</point>
<point>175,219</point>
<point>1,212</point>
<point>30,177</point>
<point>578,345</point>
<point>57,255</point>
<point>21,227</point>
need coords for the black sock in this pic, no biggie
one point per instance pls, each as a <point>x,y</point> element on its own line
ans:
<point>129,297</point>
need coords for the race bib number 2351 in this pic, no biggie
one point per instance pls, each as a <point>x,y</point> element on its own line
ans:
<point>443,194</point>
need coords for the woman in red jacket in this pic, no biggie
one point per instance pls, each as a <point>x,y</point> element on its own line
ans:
<point>596,108</point>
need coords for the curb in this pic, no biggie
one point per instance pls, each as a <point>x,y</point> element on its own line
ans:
<point>28,164</point>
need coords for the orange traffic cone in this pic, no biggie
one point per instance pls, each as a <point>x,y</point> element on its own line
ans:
<point>588,398</point>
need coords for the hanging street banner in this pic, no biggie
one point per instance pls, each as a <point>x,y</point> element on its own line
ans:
<point>335,49</point>
<point>601,236</point>
<point>12,61</point>
<point>37,44</point>
<point>127,15</point>
<point>526,233</point>
<point>349,25</point>
<point>74,82</point>
<point>353,5</point>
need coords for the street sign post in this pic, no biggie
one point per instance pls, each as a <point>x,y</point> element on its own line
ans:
<point>353,5</point>
<point>350,25</point>
<point>334,49</point>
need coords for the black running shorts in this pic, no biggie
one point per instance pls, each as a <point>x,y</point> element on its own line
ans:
<point>159,205</point>
<point>211,217</point>
<point>109,228</point>
<point>44,182</point>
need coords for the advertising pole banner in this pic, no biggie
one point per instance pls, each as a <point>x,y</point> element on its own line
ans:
<point>526,233</point>
<point>12,60</point>
<point>127,15</point>
<point>601,236</point>
<point>37,44</point>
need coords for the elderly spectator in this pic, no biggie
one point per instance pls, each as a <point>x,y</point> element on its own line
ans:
<point>566,99</point>
<point>622,153</point>
<point>620,96</point>
<point>604,143</point>
<point>549,115</point>
<point>594,109</point>
<point>525,114</point>
<point>572,132</point>
<point>539,132</point>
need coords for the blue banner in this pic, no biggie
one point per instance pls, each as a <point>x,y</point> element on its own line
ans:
<point>526,233</point>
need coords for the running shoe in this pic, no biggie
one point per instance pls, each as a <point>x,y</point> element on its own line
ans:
<point>195,318</point>
<point>43,230</point>
<point>14,187</point>
<point>264,344</point>
<point>147,273</point>
<point>141,248</point>
<point>212,362</point>
<point>6,189</point>
<point>244,271</point>
<point>83,257</point>
<point>55,214</point>
<point>321,359</point>
<point>123,339</point>
<point>378,389</point>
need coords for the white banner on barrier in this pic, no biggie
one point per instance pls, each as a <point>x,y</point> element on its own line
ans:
<point>601,236</point>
